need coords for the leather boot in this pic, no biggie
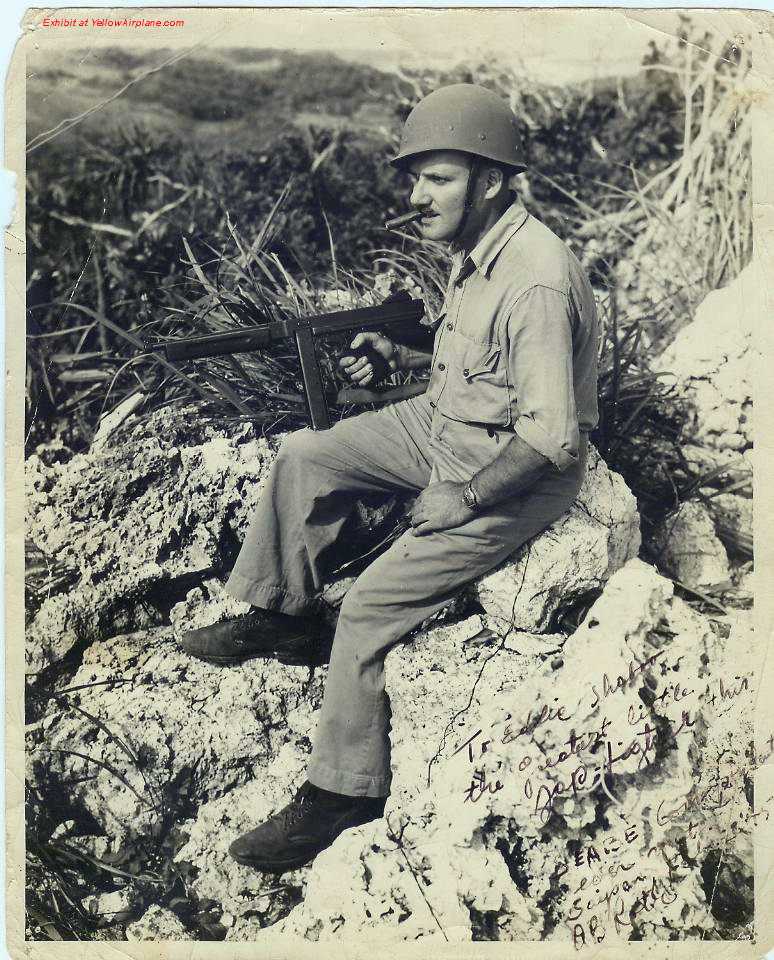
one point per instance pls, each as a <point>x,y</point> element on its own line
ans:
<point>306,826</point>
<point>260,633</point>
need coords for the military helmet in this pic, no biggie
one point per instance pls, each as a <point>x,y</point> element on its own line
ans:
<point>466,117</point>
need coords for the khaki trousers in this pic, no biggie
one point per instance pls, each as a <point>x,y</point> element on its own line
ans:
<point>286,558</point>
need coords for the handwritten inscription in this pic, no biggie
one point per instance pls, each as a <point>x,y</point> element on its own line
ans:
<point>650,895</point>
<point>588,757</point>
<point>636,669</point>
<point>624,878</point>
<point>586,776</point>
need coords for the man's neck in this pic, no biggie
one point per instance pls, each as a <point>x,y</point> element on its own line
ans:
<point>469,241</point>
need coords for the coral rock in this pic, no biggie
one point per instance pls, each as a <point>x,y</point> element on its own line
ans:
<point>711,363</point>
<point>513,783</point>
<point>158,924</point>
<point>136,520</point>
<point>689,549</point>
<point>574,556</point>
<point>154,728</point>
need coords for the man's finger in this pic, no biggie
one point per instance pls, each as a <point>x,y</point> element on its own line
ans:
<point>352,364</point>
<point>426,526</point>
<point>417,517</point>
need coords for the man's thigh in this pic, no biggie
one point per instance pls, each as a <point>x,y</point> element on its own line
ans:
<point>380,449</point>
<point>418,575</point>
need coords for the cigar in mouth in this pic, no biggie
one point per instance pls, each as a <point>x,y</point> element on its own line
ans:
<point>402,220</point>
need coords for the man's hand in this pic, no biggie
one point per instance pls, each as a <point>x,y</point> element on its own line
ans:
<point>360,369</point>
<point>440,507</point>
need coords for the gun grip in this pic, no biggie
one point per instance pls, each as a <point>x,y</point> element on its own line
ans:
<point>377,361</point>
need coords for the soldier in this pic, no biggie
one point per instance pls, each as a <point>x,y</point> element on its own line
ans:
<point>495,450</point>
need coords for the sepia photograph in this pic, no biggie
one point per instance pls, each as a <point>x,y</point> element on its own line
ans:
<point>388,570</point>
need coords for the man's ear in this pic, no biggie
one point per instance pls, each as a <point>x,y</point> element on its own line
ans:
<point>494,180</point>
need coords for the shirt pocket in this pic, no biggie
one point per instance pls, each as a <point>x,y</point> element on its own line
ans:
<point>477,387</point>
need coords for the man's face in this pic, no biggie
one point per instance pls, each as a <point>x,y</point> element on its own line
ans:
<point>440,183</point>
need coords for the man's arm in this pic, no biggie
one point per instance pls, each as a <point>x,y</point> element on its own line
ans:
<point>515,469</point>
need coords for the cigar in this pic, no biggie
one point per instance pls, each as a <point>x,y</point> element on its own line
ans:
<point>402,220</point>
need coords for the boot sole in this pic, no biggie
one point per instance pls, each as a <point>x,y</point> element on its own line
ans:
<point>283,866</point>
<point>286,659</point>
<point>274,866</point>
<point>291,658</point>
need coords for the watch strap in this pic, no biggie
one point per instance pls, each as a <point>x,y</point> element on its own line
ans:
<point>469,496</point>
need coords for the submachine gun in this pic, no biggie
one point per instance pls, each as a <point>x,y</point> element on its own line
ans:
<point>399,314</point>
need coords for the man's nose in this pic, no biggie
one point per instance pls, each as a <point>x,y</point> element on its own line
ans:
<point>419,196</point>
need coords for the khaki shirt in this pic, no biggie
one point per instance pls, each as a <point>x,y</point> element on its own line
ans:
<point>516,339</point>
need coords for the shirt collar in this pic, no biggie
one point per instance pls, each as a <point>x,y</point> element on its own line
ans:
<point>483,255</point>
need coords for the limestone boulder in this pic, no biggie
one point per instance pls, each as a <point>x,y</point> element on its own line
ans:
<point>711,362</point>
<point>689,549</point>
<point>146,732</point>
<point>574,556</point>
<point>157,924</point>
<point>518,778</point>
<point>732,515</point>
<point>488,833</point>
<point>523,765</point>
<point>138,521</point>
<point>710,365</point>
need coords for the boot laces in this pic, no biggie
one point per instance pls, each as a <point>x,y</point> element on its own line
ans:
<point>297,809</point>
<point>241,626</point>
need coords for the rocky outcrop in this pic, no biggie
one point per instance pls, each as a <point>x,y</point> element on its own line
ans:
<point>523,783</point>
<point>142,522</point>
<point>137,521</point>
<point>688,548</point>
<point>711,363</point>
<point>574,556</point>
<point>157,924</point>
<point>150,732</point>
<point>526,767</point>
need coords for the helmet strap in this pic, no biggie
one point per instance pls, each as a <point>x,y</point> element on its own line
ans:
<point>473,171</point>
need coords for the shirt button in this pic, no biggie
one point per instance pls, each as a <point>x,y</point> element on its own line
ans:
<point>432,405</point>
<point>449,326</point>
<point>441,366</point>
<point>466,372</point>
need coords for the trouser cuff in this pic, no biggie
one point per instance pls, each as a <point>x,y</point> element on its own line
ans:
<point>270,596</point>
<point>346,783</point>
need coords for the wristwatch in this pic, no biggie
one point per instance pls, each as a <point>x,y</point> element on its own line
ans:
<point>469,497</point>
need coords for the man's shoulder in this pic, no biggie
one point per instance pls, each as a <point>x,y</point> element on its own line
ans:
<point>536,256</point>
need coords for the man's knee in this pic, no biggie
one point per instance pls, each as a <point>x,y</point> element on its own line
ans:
<point>301,447</point>
<point>368,601</point>
<point>322,450</point>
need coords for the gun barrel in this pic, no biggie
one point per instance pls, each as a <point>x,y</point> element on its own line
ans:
<point>216,344</point>
<point>402,220</point>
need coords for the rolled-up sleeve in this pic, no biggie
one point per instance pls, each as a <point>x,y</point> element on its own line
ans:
<point>540,370</point>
